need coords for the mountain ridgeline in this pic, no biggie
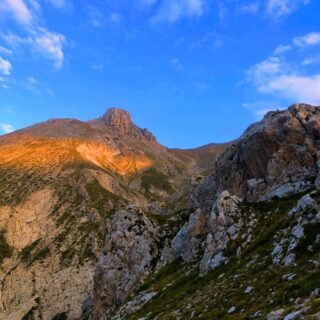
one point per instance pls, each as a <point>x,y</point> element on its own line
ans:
<point>99,221</point>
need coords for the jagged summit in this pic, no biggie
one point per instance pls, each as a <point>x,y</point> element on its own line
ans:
<point>119,118</point>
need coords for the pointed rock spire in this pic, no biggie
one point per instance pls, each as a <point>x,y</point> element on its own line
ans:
<point>118,118</point>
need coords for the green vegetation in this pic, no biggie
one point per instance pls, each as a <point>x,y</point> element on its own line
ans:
<point>311,231</point>
<point>41,255</point>
<point>5,249</point>
<point>67,256</point>
<point>29,254</point>
<point>26,252</point>
<point>181,293</point>
<point>16,184</point>
<point>152,178</point>
<point>99,196</point>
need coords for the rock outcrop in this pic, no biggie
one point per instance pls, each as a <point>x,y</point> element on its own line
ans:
<point>130,250</point>
<point>207,234</point>
<point>275,157</point>
<point>118,118</point>
<point>121,120</point>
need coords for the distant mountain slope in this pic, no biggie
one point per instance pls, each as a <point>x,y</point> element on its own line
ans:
<point>60,183</point>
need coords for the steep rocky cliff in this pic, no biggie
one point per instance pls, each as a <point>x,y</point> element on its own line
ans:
<point>277,156</point>
<point>100,221</point>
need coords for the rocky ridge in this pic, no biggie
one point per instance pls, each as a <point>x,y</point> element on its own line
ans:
<point>245,245</point>
<point>258,211</point>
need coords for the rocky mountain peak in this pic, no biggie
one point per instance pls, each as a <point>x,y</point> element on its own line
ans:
<point>118,118</point>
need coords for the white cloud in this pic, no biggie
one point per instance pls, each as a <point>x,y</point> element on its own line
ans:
<point>213,39</point>
<point>32,84</point>
<point>96,17</point>
<point>99,66</point>
<point>275,76</point>
<point>279,8</point>
<point>262,71</point>
<point>5,67</point>
<point>282,49</point>
<point>300,88</point>
<point>174,10</point>
<point>50,44</point>
<point>289,77</point>
<point>6,127</point>
<point>310,60</point>
<point>201,87</point>
<point>260,108</point>
<point>18,10</point>
<point>310,39</point>
<point>116,17</point>
<point>27,13</point>
<point>177,65</point>
<point>58,3</point>
<point>5,51</point>
<point>250,8</point>
<point>42,41</point>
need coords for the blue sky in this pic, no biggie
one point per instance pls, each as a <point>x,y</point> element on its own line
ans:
<point>191,71</point>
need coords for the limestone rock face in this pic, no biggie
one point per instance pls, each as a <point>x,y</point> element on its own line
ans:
<point>277,156</point>
<point>208,234</point>
<point>224,224</point>
<point>129,250</point>
<point>304,215</point>
<point>33,277</point>
<point>121,120</point>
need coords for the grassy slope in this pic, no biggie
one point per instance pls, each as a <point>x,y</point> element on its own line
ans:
<point>182,294</point>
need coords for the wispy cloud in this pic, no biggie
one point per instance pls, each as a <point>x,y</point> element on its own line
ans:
<point>281,49</point>
<point>310,60</point>
<point>176,64</point>
<point>59,3</point>
<point>213,39</point>
<point>5,51</point>
<point>286,77</point>
<point>4,82</point>
<point>6,127</point>
<point>147,3</point>
<point>98,66</point>
<point>48,44</point>
<point>5,67</point>
<point>274,76</point>
<point>310,39</point>
<point>174,10</point>
<point>280,8</point>
<point>96,17</point>
<point>116,17</point>
<point>18,10</point>
<point>261,107</point>
<point>251,8</point>
<point>201,87</point>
